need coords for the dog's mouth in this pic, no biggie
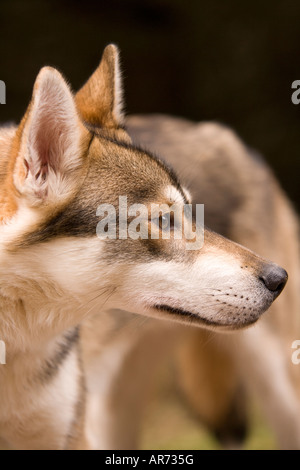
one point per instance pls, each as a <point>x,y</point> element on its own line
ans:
<point>196,319</point>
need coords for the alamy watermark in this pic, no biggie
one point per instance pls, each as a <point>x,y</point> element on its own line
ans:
<point>159,221</point>
<point>296,94</point>
<point>296,354</point>
<point>2,353</point>
<point>2,92</point>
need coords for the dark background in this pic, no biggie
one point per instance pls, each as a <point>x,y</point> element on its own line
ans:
<point>231,61</point>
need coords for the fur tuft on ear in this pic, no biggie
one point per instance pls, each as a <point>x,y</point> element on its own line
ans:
<point>99,101</point>
<point>50,142</point>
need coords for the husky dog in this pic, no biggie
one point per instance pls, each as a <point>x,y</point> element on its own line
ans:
<point>66,294</point>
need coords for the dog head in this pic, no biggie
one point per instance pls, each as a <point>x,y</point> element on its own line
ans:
<point>70,155</point>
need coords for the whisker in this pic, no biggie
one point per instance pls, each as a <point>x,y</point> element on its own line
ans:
<point>100,292</point>
<point>96,299</point>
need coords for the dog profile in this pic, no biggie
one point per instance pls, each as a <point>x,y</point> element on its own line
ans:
<point>66,294</point>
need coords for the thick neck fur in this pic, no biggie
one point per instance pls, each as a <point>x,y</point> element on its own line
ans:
<point>31,319</point>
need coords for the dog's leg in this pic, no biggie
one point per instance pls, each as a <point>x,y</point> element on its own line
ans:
<point>43,399</point>
<point>213,368</point>
<point>208,379</point>
<point>114,403</point>
<point>120,380</point>
<point>264,364</point>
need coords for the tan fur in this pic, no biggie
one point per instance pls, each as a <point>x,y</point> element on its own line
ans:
<point>10,148</point>
<point>97,100</point>
<point>65,360</point>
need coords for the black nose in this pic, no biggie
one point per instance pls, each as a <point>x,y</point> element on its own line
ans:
<point>274,277</point>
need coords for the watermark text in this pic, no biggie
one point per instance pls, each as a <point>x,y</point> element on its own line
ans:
<point>157,222</point>
<point>2,92</point>
<point>296,354</point>
<point>2,353</point>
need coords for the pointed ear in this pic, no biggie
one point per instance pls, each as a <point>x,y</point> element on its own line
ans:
<point>99,101</point>
<point>50,148</point>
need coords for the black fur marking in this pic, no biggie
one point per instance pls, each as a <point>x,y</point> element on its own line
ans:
<point>79,411</point>
<point>234,426</point>
<point>193,316</point>
<point>71,222</point>
<point>52,366</point>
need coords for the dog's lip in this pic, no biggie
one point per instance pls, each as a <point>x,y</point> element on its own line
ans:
<point>200,320</point>
<point>184,313</point>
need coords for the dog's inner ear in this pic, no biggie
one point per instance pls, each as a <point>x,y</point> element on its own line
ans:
<point>50,144</point>
<point>99,101</point>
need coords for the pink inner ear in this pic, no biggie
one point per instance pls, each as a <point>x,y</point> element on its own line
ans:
<point>49,141</point>
<point>52,136</point>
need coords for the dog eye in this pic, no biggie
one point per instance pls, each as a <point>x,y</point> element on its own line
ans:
<point>163,221</point>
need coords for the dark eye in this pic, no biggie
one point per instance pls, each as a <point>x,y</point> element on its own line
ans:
<point>164,221</point>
